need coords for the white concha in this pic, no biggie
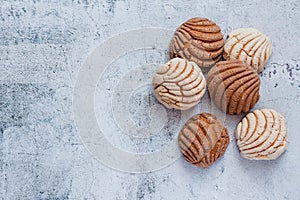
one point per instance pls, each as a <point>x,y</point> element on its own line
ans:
<point>248,45</point>
<point>179,84</point>
<point>262,135</point>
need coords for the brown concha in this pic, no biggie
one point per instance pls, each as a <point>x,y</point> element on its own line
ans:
<point>203,139</point>
<point>199,40</point>
<point>233,86</point>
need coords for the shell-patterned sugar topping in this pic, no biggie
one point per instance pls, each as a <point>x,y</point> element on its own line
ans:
<point>203,139</point>
<point>179,84</point>
<point>262,135</point>
<point>248,45</point>
<point>233,86</point>
<point>199,40</point>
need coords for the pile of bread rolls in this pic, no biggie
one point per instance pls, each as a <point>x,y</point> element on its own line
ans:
<point>233,84</point>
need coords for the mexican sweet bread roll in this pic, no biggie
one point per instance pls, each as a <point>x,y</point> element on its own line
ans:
<point>248,45</point>
<point>199,40</point>
<point>179,84</point>
<point>203,139</point>
<point>233,86</point>
<point>262,135</point>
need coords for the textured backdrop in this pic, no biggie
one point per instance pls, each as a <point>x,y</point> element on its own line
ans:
<point>44,43</point>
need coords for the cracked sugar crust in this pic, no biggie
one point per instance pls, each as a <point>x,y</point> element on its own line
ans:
<point>203,139</point>
<point>248,45</point>
<point>199,40</point>
<point>179,84</point>
<point>262,135</point>
<point>233,86</point>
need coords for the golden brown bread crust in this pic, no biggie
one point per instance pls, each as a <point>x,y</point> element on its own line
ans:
<point>199,40</point>
<point>179,84</point>
<point>248,45</point>
<point>203,139</point>
<point>262,135</point>
<point>233,86</point>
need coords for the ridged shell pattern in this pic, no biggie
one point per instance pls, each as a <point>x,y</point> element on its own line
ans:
<point>248,45</point>
<point>179,84</point>
<point>199,40</point>
<point>203,139</point>
<point>233,86</point>
<point>262,135</point>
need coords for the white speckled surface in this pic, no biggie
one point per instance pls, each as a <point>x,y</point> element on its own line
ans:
<point>43,44</point>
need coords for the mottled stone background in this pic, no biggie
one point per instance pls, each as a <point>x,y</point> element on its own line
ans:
<point>43,43</point>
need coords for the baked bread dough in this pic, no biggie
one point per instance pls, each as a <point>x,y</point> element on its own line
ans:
<point>179,84</point>
<point>248,45</point>
<point>262,135</point>
<point>203,139</point>
<point>233,86</point>
<point>199,40</point>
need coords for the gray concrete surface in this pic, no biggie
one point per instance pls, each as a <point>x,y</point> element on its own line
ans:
<point>44,43</point>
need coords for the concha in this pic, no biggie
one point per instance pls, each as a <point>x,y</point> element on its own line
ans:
<point>203,139</point>
<point>262,135</point>
<point>233,86</point>
<point>248,45</point>
<point>179,84</point>
<point>199,40</point>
